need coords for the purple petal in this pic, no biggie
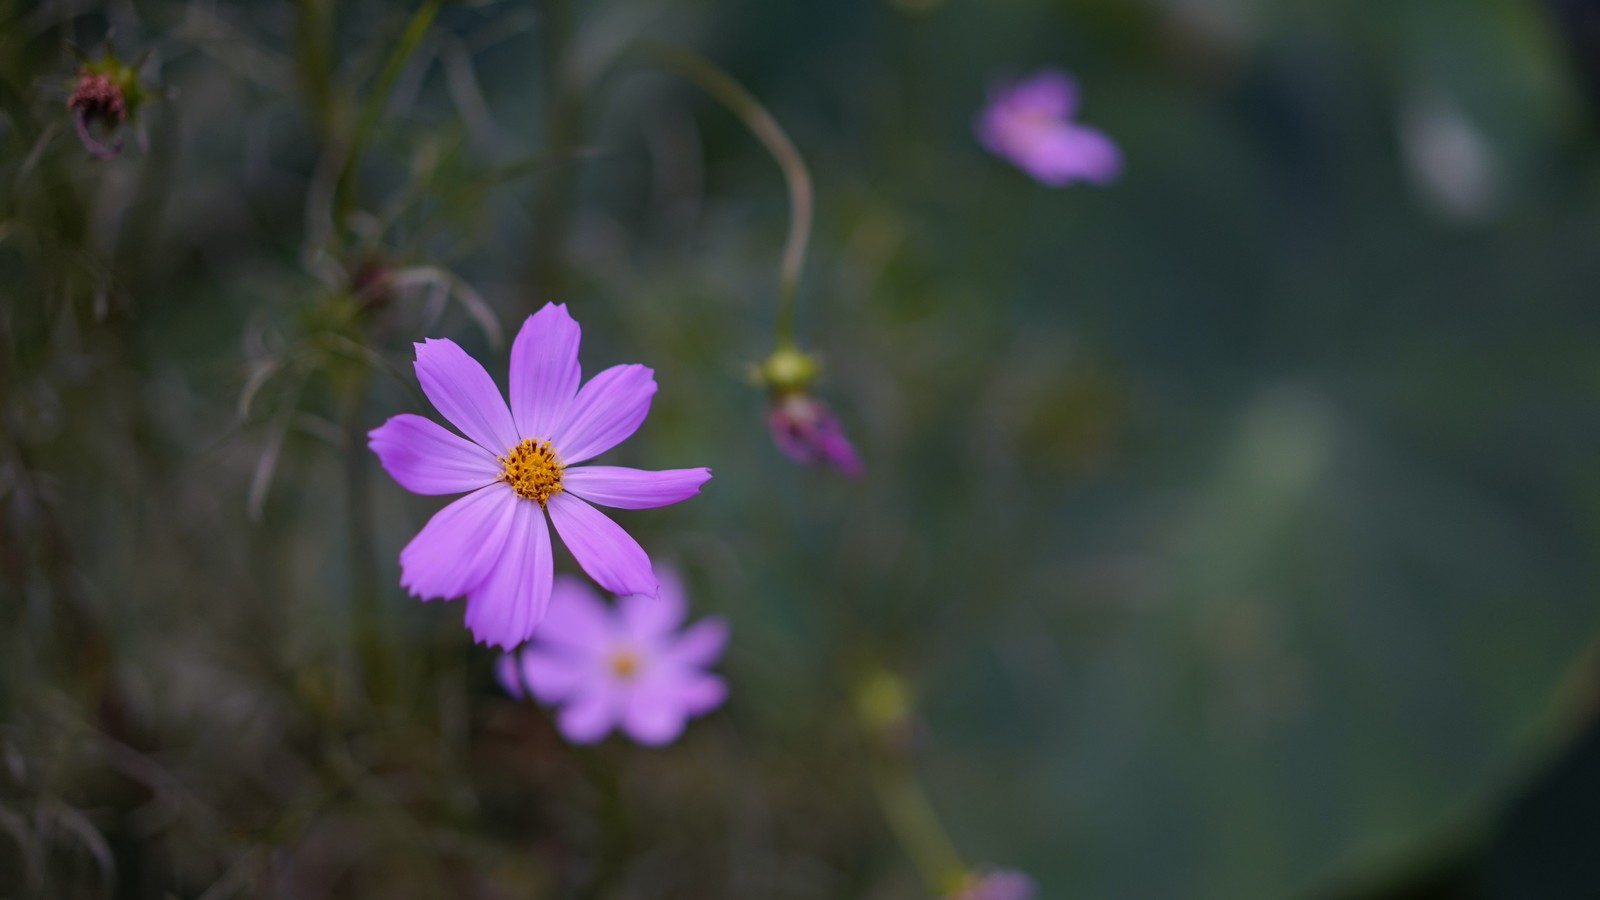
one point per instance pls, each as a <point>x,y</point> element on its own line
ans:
<point>506,672</point>
<point>652,715</point>
<point>578,619</point>
<point>460,545</point>
<point>607,553</point>
<point>700,644</point>
<point>590,715</point>
<point>1051,93</point>
<point>607,409</point>
<point>1073,152</point>
<point>554,675</point>
<point>648,620</point>
<point>508,604</point>
<point>700,693</point>
<point>627,488</point>
<point>427,459</point>
<point>807,432</point>
<point>544,371</point>
<point>465,394</point>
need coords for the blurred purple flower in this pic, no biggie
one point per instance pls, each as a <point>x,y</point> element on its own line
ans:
<point>626,667</point>
<point>493,545</point>
<point>997,884</point>
<point>807,432</point>
<point>1028,122</point>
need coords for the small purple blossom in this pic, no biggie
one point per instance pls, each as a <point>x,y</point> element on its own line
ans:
<point>807,432</point>
<point>627,667</point>
<point>519,465</point>
<point>996,884</point>
<point>1028,122</point>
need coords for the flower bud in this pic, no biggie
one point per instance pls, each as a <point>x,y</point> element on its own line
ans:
<point>995,884</point>
<point>104,96</point>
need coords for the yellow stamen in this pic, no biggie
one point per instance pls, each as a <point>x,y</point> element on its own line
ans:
<point>624,663</point>
<point>533,469</point>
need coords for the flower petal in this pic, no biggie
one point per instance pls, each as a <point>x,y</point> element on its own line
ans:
<point>427,459</point>
<point>649,620</point>
<point>590,715</point>
<point>554,674</point>
<point>607,409</point>
<point>607,553</point>
<point>627,488</point>
<point>1050,93</point>
<point>652,713</point>
<point>465,394</point>
<point>544,371</point>
<point>1073,152</point>
<point>701,693</point>
<point>507,671</point>
<point>578,620</point>
<point>700,644</point>
<point>508,604</point>
<point>460,544</point>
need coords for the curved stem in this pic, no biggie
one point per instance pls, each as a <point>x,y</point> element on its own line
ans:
<point>372,111</point>
<point>732,95</point>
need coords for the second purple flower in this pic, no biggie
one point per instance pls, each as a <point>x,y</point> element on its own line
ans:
<point>1029,123</point>
<point>519,464</point>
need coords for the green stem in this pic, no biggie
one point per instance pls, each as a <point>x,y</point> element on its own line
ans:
<point>725,90</point>
<point>372,110</point>
<point>916,825</point>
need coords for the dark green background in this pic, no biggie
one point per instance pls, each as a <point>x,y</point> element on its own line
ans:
<point>1235,525</point>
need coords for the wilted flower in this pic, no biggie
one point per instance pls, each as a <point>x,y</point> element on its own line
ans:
<point>104,96</point>
<point>1029,123</point>
<point>996,884</point>
<point>493,545</point>
<point>801,425</point>
<point>626,667</point>
<point>807,432</point>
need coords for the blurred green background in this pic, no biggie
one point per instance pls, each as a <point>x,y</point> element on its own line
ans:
<point>1234,527</point>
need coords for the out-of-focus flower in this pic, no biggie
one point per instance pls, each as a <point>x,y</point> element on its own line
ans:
<point>1028,122</point>
<point>627,667</point>
<point>995,884</point>
<point>105,94</point>
<point>807,432</point>
<point>802,426</point>
<point>493,545</point>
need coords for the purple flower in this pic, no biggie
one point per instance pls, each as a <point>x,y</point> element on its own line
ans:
<point>493,545</point>
<point>1028,123</point>
<point>626,667</point>
<point>996,884</point>
<point>807,432</point>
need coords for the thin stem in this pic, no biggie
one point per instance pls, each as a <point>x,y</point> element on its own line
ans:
<point>372,111</point>
<point>732,95</point>
<point>915,823</point>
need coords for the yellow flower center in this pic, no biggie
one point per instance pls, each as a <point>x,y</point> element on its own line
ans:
<point>533,469</point>
<point>624,663</point>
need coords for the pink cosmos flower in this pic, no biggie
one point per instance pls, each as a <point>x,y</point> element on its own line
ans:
<point>997,884</point>
<point>1029,123</point>
<point>626,667</point>
<point>807,432</point>
<point>519,464</point>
